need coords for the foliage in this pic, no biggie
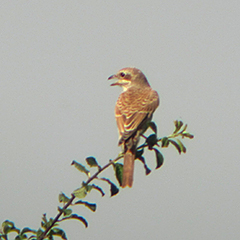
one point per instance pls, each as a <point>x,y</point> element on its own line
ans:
<point>49,227</point>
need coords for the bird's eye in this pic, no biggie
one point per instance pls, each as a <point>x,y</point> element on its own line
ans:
<point>122,74</point>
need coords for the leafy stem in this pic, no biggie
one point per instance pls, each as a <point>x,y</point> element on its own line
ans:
<point>70,201</point>
<point>49,227</point>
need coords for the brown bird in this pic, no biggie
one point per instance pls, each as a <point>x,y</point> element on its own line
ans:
<point>133,110</point>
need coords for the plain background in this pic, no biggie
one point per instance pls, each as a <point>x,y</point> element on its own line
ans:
<point>57,106</point>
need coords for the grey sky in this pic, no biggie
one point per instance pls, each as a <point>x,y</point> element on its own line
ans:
<point>57,105</point>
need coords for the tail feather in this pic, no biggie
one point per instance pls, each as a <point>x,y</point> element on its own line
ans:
<point>128,167</point>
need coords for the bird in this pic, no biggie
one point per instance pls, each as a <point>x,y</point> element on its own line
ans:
<point>133,111</point>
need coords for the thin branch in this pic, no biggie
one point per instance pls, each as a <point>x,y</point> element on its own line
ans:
<point>43,235</point>
<point>90,179</point>
<point>149,142</point>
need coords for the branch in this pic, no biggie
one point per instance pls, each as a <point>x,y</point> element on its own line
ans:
<point>56,219</point>
<point>48,227</point>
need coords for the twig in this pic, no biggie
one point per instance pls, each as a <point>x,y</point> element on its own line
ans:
<point>42,236</point>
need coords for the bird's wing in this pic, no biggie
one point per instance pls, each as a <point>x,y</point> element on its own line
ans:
<point>131,116</point>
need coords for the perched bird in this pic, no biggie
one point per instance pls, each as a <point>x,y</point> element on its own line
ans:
<point>134,109</point>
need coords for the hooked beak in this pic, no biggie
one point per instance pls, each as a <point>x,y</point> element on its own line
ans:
<point>113,77</point>
<point>119,82</point>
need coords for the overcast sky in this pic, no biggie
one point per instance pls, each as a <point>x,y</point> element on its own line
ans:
<point>57,106</point>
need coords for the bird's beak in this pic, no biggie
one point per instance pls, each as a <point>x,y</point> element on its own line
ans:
<point>114,77</point>
<point>119,82</point>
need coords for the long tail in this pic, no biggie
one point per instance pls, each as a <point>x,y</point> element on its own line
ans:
<point>128,167</point>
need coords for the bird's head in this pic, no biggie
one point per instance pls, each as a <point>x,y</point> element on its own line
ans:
<point>129,77</point>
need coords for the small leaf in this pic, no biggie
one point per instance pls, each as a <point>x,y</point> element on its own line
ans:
<point>159,158</point>
<point>178,125</point>
<point>153,126</point>
<point>114,190</point>
<point>175,145</point>
<point>184,128</point>
<point>26,230</point>
<point>183,148</point>
<point>91,206</point>
<point>63,198</point>
<point>7,223</point>
<point>44,218</point>
<point>8,226</point>
<point>92,162</point>
<point>80,167</point>
<point>59,232</point>
<point>98,189</point>
<point>80,192</point>
<point>46,224</point>
<point>165,142</point>
<point>188,135</point>
<point>39,233</point>
<point>151,140</point>
<point>66,212</point>
<point>118,167</point>
<point>51,221</point>
<point>77,217</point>
<point>89,187</point>
<point>147,170</point>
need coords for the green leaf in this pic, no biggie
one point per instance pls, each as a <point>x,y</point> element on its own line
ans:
<point>153,126</point>
<point>113,188</point>
<point>151,140</point>
<point>59,232</point>
<point>27,230</point>
<point>22,234</point>
<point>92,162</point>
<point>98,189</point>
<point>39,233</point>
<point>66,212</point>
<point>184,128</point>
<point>91,206</point>
<point>45,223</point>
<point>77,217</point>
<point>178,125</point>
<point>89,187</point>
<point>8,226</point>
<point>165,142</point>
<point>147,170</point>
<point>118,167</point>
<point>80,192</point>
<point>63,198</point>
<point>80,167</point>
<point>159,158</point>
<point>183,148</point>
<point>188,135</point>
<point>175,144</point>
<point>44,218</point>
